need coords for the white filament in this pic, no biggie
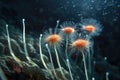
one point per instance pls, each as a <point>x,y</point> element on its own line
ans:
<point>41,57</point>
<point>10,48</point>
<point>51,60</point>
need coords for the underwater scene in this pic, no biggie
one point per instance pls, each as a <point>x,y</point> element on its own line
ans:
<point>59,39</point>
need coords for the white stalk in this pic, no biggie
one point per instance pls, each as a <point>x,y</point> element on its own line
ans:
<point>56,26</point>
<point>84,61</point>
<point>25,47</point>
<point>41,57</point>
<point>59,65</point>
<point>89,62</point>
<point>2,75</point>
<point>93,78</point>
<point>51,60</point>
<point>107,75</point>
<point>24,41</point>
<point>68,63</point>
<point>10,48</point>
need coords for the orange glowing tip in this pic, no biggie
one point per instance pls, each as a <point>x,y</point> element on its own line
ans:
<point>89,28</point>
<point>80,44</point>
<point>52,39</point>
<point>68,30</point>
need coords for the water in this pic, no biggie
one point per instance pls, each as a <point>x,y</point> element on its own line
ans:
<point>94,22</point>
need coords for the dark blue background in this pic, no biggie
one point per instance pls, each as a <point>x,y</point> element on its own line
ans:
<point>41,14</point>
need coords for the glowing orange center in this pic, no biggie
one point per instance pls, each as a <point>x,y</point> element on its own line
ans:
<point>52,39</point>
<point>68,30</point>
<point>89,28</point>
<point>80,43</point>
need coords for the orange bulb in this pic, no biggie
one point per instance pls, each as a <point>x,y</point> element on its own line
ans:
<point>52,39</point>
<point>89,28</point>
<point>68,30</point>
<point>80,44</point>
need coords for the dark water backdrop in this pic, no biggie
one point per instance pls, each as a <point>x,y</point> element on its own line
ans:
<point>41,14</point>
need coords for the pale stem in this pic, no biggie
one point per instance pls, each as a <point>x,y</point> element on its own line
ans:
<point>84,61</point>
